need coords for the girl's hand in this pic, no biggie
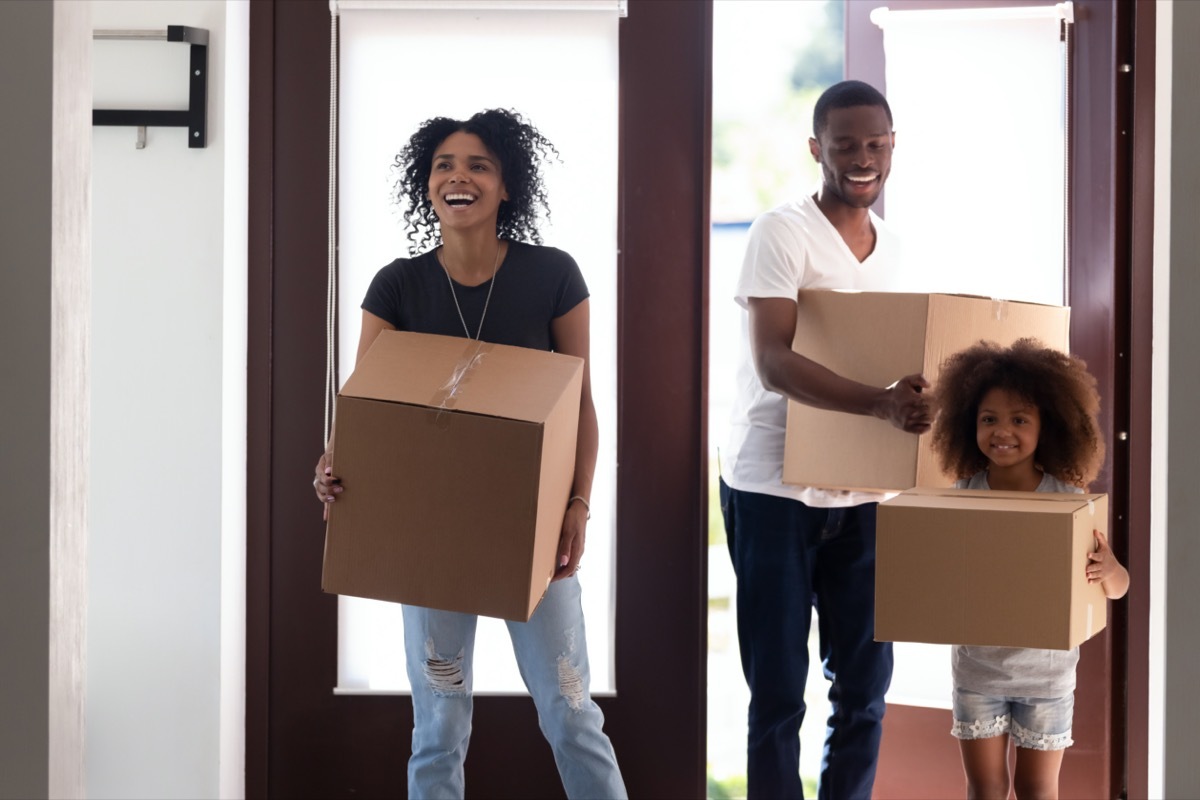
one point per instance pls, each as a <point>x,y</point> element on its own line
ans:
<point>326,486</point>
<point>571,541</point>
<point>1104,568</point>
<point>1101,561</point>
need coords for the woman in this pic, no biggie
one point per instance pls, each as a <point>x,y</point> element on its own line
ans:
<point>474,188</point>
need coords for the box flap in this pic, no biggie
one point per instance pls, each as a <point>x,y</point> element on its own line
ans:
<point>870,337</point>
<point>462,375</point>
<point>939,294</point>
<point>436,515</point>
<point>997,300</point>
<point>957,322</point>
<point>935,497</point>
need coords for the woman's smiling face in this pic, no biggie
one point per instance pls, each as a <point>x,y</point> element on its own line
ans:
<point>466,185</point>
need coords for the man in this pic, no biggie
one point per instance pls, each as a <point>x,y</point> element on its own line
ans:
<point>795,547</point>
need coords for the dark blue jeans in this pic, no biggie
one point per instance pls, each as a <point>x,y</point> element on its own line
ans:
<point>788,558</point>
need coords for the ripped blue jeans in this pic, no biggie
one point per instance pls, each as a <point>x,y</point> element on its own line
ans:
<point>551,652</point>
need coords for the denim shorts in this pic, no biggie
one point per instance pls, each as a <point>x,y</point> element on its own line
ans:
<point>1035,723</point>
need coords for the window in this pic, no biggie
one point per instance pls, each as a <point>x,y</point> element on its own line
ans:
<point>399,68</point>
<point>980,148</point>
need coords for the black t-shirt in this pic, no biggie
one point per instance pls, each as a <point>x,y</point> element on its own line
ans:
<point>533,286</point>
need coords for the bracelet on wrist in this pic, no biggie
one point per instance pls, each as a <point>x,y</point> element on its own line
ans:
<point>587,506</point>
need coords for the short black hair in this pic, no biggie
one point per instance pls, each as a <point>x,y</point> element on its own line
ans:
<point>521,150</point>
<point>847,94</point>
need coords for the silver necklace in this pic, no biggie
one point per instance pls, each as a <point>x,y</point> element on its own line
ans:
<point>488,299</point>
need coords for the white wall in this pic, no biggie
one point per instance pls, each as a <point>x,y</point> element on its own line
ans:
<point>233,433</point>
<point>165,665</point>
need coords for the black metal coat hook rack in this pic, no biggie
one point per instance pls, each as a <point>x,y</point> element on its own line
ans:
<point>195,119</point>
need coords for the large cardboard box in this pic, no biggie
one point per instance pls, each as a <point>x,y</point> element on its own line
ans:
<point>876,338</point>
<point>457,459</point>
<point>956,566</point>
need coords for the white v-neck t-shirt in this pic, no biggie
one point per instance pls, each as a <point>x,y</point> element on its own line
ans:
<point>790,248</point>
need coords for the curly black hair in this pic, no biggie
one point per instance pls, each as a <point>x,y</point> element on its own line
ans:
<point>518,146</point>
<point>1069,444</point>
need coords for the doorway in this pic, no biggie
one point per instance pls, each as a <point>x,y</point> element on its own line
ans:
<point>919,758</point>
<point>302,740</point>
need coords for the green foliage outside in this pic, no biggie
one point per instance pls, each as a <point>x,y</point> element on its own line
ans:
<point>716,522</point>
<point>734,787</point>
<point>820,62</point>
<point>726,788</point>
<point>760,154</point>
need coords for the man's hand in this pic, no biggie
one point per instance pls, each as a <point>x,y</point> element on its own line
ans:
<point>906,405</point>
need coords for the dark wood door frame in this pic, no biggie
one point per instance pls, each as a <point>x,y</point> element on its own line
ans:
<point>1111,242</point>
<point>301,740</point>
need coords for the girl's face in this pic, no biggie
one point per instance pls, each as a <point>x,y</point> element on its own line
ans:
<point>465,183</point>
<point>1007,428</point>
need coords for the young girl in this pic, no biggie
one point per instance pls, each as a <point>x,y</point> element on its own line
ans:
<point>1021,418</point>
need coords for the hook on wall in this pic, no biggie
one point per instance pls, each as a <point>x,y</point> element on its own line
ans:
<point>195,119</point>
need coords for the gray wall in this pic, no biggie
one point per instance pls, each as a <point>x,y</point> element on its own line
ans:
<point>44,249</point>
<point>1182,698</point>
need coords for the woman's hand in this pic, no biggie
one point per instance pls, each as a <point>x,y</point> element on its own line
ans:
<point>325,484</point>
<point>571,540</point>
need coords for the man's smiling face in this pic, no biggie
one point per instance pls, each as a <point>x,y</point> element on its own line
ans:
<point>855,154</point>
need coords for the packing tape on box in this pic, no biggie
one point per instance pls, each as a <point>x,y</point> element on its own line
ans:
<point>999,309</point>
<point>446,397</point>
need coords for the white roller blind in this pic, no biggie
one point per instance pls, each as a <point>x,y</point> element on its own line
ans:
<point>978,184</point>
<point>619,6</point>
<point>400,64</point>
